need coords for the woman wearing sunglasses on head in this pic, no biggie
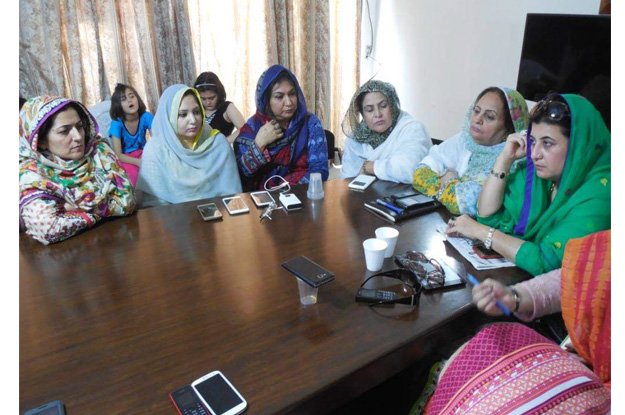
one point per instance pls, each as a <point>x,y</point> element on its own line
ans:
<point>546,187</point>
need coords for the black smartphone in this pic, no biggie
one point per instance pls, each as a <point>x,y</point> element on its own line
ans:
<point>308,271</point>
<point>187,402</point>
<point>50,408</point>
<point>367,295</point>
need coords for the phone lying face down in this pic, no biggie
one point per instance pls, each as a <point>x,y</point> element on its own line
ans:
<point>218,394</point>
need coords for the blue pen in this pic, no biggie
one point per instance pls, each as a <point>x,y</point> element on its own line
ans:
<point>500,305</point>
<point>388,205</point>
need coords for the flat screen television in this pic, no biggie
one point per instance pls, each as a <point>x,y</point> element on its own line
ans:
<point>567,53</point>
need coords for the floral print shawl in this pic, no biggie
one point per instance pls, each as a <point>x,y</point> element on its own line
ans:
<point>95,184</point>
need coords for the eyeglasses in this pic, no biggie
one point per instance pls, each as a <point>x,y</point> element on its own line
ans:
<point>554,110</point>
<point>428,271</point>
<point>397,286</point>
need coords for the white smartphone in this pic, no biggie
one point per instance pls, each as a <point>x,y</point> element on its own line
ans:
<point>209,211</point>
<point>235,205</point>
<point>361,182</point>
<point>262,198</point>
<point>218,394</point>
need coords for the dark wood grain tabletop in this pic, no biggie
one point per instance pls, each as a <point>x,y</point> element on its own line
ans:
<point>114,319</point>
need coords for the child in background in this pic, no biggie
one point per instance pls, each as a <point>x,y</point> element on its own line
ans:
<point>130,128</point>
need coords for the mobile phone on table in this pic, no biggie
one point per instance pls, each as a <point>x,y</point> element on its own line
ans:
<point>262,198</point>
<point>235,205</point>
<point>187,402</point>
<point>308,271</point>
<point>361,182</point>
<point>50,408</point>
<point>484,252</point>
<point>218,394</point>
<point>209,211</point>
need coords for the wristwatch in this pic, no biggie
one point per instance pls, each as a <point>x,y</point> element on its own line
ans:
<point>488,242</point>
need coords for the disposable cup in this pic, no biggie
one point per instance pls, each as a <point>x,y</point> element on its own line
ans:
<point>374,253</point>
<point>389,235</point>
<point>307,294</point>
<point>315,187</point>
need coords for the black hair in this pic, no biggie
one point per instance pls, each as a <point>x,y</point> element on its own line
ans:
<point>116,110</point>
<point>209,81</point>
<point>508,124</point>
<point>284,75</point>
<point>44,130</point>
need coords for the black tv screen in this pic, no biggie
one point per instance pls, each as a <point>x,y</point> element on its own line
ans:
<point>567,53</point>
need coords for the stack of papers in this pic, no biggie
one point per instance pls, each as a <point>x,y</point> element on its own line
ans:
<point>465,247</point>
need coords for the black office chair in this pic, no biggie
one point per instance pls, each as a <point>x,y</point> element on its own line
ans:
<point>333,151</point>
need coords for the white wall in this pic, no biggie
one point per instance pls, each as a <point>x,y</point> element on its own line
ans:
<point>439,54</point>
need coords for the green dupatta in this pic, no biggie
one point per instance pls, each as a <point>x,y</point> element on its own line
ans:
<point>581,206</point>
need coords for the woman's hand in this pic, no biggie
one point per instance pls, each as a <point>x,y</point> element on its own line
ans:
<point>268,133</point>
<point>466,226</point>
<point>449,175</point>
<point>367,168</point>
<point>516,146</point>
<point>488,292</point>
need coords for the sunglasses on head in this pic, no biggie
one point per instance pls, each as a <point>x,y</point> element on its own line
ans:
<point>554,110</point>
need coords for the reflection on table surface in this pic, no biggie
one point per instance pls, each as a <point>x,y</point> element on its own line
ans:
<point>123,314</point>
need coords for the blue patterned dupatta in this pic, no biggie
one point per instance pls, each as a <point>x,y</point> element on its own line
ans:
<point>287,156</point>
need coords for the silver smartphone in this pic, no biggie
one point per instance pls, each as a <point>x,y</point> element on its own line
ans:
<point>262,198</point>
<point>209,211</point>
<point>235,205</point>
<point>218,394</point>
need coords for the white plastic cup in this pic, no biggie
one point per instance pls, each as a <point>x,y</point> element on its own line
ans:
<point>374,253</point>
<point>315,187</point>
<point>389,235</point>
<point>307,294</point>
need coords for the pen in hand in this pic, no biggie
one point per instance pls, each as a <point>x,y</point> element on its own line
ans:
<point>500,305</point>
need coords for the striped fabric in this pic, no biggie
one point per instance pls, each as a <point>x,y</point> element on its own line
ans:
<point>586,301</point>
<point>508,368</point>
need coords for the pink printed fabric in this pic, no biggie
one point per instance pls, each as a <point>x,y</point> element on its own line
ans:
<point>508,368</point>
<point>132,170</point>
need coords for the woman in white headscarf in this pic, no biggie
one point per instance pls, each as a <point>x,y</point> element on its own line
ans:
<point>382,140</point>
<point>185,159</point>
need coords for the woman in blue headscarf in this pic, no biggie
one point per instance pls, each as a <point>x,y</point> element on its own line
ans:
<point>282,138</point>
<point>185,159</point>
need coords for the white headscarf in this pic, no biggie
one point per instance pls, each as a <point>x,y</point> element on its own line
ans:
<point>176,174</point>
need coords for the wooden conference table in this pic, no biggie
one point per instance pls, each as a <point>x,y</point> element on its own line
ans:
<point>114,319</point>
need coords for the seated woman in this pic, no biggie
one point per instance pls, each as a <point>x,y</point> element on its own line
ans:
<point>185,160</point>
<point>69,175</point>
<point>221,115</point>
<point>282,138</point>
<point>559,188</point>
<point>382,140</point>
<point>509,368</point>
<point>455,170</point>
